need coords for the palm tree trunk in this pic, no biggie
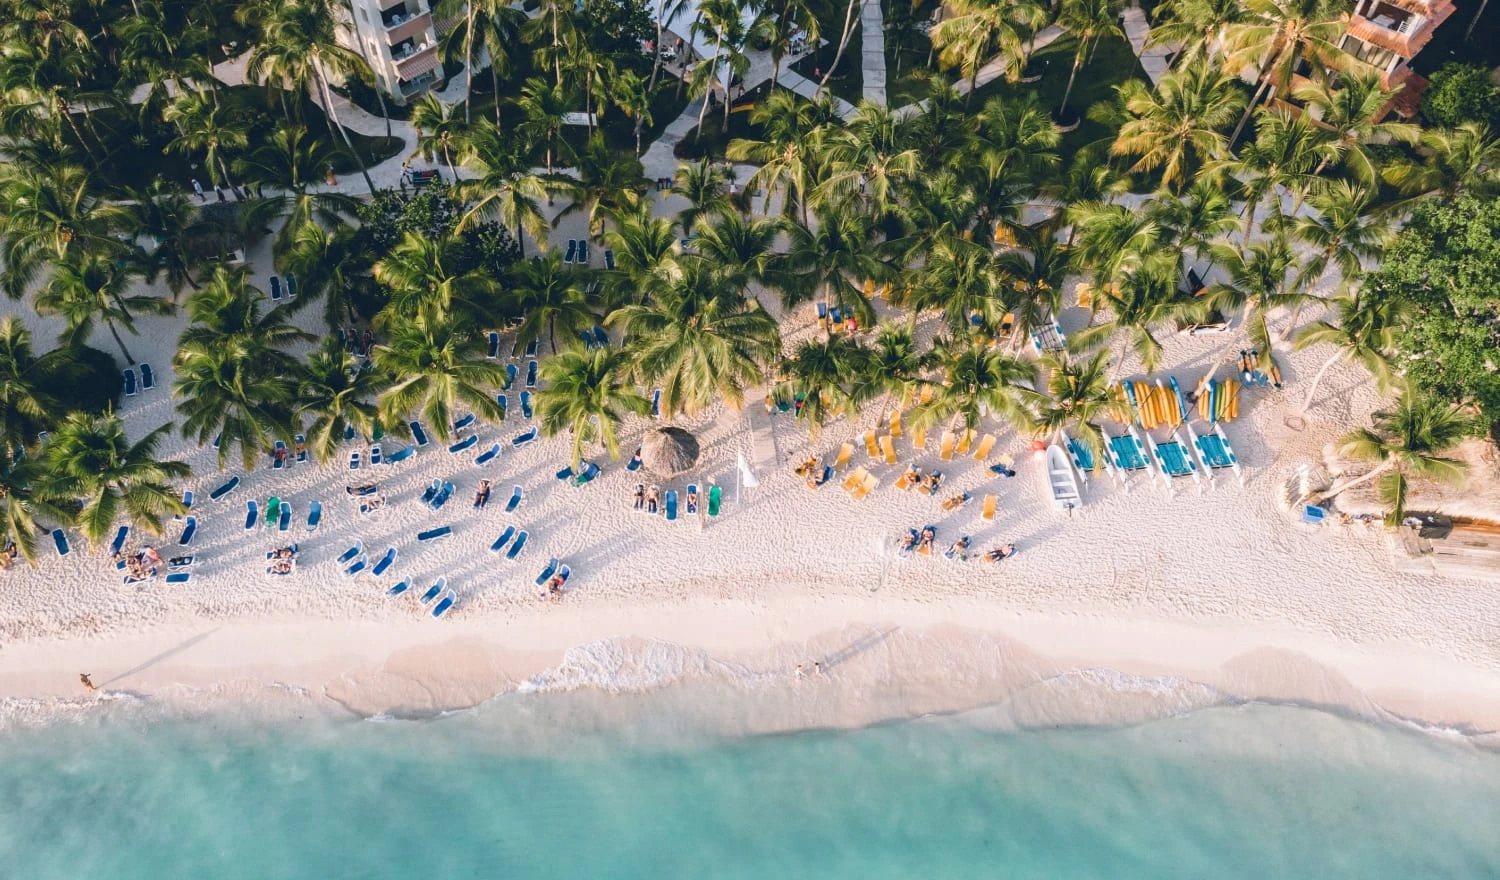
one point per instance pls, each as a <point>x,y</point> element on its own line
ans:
<point>713,66</point>
<point>1255,100</point>
<point>656,46</point>
<point>333,120</point>
<point>849,22</point>
<point>1307,402</point>
<point>129,359</point>
<point>1067,92</point>
<point>1339,488</point>
<point>469,64</point>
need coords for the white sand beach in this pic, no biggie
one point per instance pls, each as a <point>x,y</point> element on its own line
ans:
<point>1222,589</point>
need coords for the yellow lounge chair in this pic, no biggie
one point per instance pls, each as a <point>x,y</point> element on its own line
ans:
<point>869,288</point>
<point>870,446</point>
<point>888,449</point>
<point>919,438</point>
<point>986,444</point>
<point>906,480</point>
<point>842,461</point>
<point>896,423</point>
<point>852,481</point>
<point>989,508</point>
<point>926,394</point>
<point>1007,325</point>
<point>945,452</point>
<point>866,487</point>
<point>965,440</point>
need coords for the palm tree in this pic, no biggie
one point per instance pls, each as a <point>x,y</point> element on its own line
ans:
<point>1354,110</point>
<point>436,369</point>
<point>1273,37</point>
<point>165,216</point>
<point>23,404</point>
<point>1178,126</point>
<point>831,261</point>
<point>1342,232</point>
<point>1407,440</point>
<point>895,368</point>
<point>1456,161</point>
<point>697,336</point>
<point>441,133</point>
<point>741,247</point>
<point>632,95</point>
<point>978,381</point>
<point>789,155</point>
<point>718,21</point>
<point>1088,21</point>
<point>969,34</point>
<point>1192,223</point>
<point>90,462</point>
<point>1261,278</point>
<point>206,127</point>
<point>607,183</point>
<point>965,282</point>
<point>706,187</point>
<point>326,262</point>
<point>503,185</point>
<point>786,18</point>
<point>494,26</point>
<point>46,215</point>
<point>587,394</point>
<point>1366,333</point>
<point>337,394</point>
<point>427,282</point>
<point>1280,159</point>
<point>1016,138</point>
<point>1196,26</point>
<point>1078,397</point>
<point>1140,302</point>
<point>1037,270</point>
<point>293,161</point>
<point>822,375</point>
<point>549,295</point>
<point>642,244</point>
<point>84,290</point>
<point>867,159</point>
<point>21,504</point>
<point>543,107</point>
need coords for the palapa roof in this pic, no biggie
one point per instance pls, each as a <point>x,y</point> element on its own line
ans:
<point>669,451</point>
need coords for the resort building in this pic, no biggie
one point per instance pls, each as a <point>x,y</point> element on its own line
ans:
<point>399,39</point>
<point>1387,35</point>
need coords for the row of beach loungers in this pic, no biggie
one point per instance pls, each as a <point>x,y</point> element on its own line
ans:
<point>147,381</point>
<point>652,502</point>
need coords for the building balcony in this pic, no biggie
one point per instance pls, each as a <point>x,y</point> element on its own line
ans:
<point>417,63</point>
<point>412,27</point>
<point>1402,26</point>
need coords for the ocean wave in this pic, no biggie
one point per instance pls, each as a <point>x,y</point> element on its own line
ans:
<point>633,666</point>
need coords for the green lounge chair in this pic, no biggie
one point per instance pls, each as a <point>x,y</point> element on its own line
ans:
<point>715,497</point>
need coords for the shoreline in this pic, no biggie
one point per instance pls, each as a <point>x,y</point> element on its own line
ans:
<point>885,659</point>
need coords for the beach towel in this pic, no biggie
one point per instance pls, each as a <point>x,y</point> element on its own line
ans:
<point>590,471</point>
<point>464,422</point>
<point>526,404</point>
<point>715,495</point>
<point>273,510</point>
<point>988,513</point>
<point>275,289</point>
<point>417,434</point>
<point>129,379</point>
<point>60,541</point>
<point>446,603</point>
<point>188,531</point>
<point>488,455</point>
<point>518,546</point>
<point>505,536</point>
<point>352,552</point>
<point>523,439</point>
<point>547,572</point>
<point>435,590</point>
<point>888,449</point>
<point>399,587</point>
<point>531,370</point>
<point>314,515</point>
<point>385,562</point>
<point>359,565</point>
<point>375,454</point>
<point>494,351</point>
<point>286,517</point>
<point>986,445</point>
<point>148,379</point>
<point>515,499</point>
<point>118,543</point>
<point>466,443</point>
<point>179,577</point>
<point>251,514</point>
<point>354,461</point>
<point>635,461</point>
<point>671,505</point>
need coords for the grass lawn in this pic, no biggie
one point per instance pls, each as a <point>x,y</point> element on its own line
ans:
<point>848,81</point>
<point>1113,63</point>
<point>716,137</point>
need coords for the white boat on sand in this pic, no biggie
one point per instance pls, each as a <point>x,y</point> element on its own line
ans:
<point>1062,480</point>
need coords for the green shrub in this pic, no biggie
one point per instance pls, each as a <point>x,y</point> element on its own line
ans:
<point>1461,93</point>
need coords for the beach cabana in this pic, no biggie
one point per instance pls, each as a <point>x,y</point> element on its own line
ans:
<point>669,451</point>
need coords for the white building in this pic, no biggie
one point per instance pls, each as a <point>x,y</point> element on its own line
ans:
<point>400,42</point>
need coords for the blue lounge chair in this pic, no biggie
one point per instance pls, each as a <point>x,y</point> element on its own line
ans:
<point>583,251</point>
<point>275,289</point>
<point>399,588</point>
<point>434,591</point>
<point>352,552</point>
<point>354,461</point>
<point>523,439</point>
<point>590,471</point>
<point>181,561</point>
<point>375,455</point>
<point>217,438</point>
<point>565,474</point>
<point>822,309</point>
<point>359,565</point>
<point>466,443</point>
<point>188,531</point>
<point>532,347</point>
<point>635,461</point>
<point>442,607</point>
<point>314,515</point>
<point>118,543</point>
<point>494,351</point>
<point>401,454</point>
<point>656,404</point>
<point>609,259</point>
<point>129,378</point>
<point>692,499</point>
<point>442,496</point>
<point>179,577</point>
<point>531,370</point>
<point>148,378</point>
<point>588,339</point>
<point>277,461</point>
<point>671,506</point>
<point>291,286</point>
<point>572,252</point>
<point>518,546</point>
<point>511,372</point>
<point>417,433</point>
<point>515,499</point>
<point>505,536</point>
<point>252,514</point>
<point>385,562</point>
<point>464,422</point>
<point>503,402</point>
<point>431,491</point>
<point>285,522</point>
<point>526,404</point>
<point>488,455</point>
<point>348,432</point>
<point>600,337</point>
<point>60,541</point>
<point>547,572</point>
<point>435,534</point>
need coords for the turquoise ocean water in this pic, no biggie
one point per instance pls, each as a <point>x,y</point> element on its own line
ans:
<point>1244,792</point>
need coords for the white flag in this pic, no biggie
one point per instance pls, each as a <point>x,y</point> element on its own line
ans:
<point>747,476</point>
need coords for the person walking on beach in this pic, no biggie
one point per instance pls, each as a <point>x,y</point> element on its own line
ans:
<point>84,677</point>
<point>198,188</point>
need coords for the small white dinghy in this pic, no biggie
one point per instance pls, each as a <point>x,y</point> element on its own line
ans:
<point>1062,480</point>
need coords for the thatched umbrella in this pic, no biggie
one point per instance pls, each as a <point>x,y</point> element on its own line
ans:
<point>669,451</point>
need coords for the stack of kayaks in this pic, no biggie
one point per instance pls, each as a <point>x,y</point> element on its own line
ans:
<point>1218,400</point>
<point>1152,405</point>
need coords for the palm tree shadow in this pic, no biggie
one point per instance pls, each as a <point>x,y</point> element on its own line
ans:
<point>858,646</point>
<point>178,649</point>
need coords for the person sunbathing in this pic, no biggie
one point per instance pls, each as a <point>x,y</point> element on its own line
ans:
<point>909,542</point>
<point>640,496</point>
<point>692,502</point>
<point>150,555</point>
<point>1000,553</point>
<point>653,496</point>
<point>482,497</point>
<point>929,534</point>
<point>959,549</point>
<point>366,489</point>
<point>957,501</point>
